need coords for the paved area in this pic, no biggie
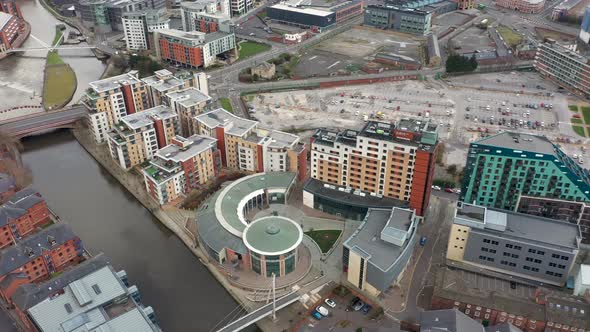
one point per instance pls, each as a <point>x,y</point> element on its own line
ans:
<point>473,39</point>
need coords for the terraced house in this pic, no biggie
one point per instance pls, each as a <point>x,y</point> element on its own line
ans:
<point>111,99</point>
<point>21,215</point>
<point>137,137</point>
<point>182,166</point>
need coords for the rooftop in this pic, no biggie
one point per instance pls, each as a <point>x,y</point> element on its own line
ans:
<point>281,139</point>
<point>191,146</point>
<point>163,83</point>
<point>191,35</point>
<point>18,205</point>
<point>272,235</point>
<point>147,117</point>
<point>115,82</point>
<point>519,141</point>
<point>233,125</point>
<point>196,5</point>
<point>188,97</point>
<point>368,242</point>
<point>448,320</point>
<point>4,19</point>
<point>304,10</point>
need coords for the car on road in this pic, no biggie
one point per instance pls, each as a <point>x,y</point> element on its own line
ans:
<point>330,303</point>
<point>316,315</point>
<point>423,240</point>
<point>436,187</point>
<point>322,310</point>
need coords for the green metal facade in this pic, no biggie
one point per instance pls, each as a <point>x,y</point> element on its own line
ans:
<point>496,176</point>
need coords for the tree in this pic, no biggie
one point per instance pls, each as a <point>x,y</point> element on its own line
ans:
<point>120,61</point>
<point>460,63</point>
<point>452,169</point>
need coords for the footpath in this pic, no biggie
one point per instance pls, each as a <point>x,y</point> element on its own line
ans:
<point>170,217</point>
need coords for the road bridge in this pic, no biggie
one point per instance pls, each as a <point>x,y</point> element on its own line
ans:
<point>43,122</point>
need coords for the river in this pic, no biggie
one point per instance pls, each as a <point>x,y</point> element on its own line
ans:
<point>107,218</point>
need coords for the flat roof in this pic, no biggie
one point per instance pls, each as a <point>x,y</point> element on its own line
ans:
<point>192,35</point>
<point>145,118</point>
<point>188,97</point>
<point>233,124</point>
<point>519,141</point>
<point>115,82</point>
<point>305,10</point>
<point>273,235</point>
<point>162,84</point>
<point>366,240</point>
<point>585,274</point>
<point>281,139</point>
<point>193,146</point>
<point>4,19</point>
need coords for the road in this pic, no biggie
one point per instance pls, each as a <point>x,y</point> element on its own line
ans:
<point>44,120</point>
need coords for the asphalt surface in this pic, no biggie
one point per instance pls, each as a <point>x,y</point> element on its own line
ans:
<point>43,120</point>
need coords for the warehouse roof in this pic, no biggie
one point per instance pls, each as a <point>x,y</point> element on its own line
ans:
<point>272,235</point>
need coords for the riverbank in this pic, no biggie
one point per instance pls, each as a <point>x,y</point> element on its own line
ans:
<point>169,217</point>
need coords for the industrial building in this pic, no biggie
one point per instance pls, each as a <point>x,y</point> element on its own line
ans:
<point>502,166</point>
<point>247,147</point>
<point>384,159</point>
<point>192,49</point>
<point>138,28</point>
<point>565,67</point>
<point>376,255</point>
<point>529,247</point>
<point>315,15</point>
<point>408,20</point>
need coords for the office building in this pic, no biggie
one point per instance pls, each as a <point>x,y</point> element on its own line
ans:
<point>540,249</point>
<point>524,6</point>
<point>317,16</point>
<point>182,166</point>
<point>585,27</point>
<point>37,256</point>
<point>9,31</point>
<point>501,167</point>
<point>103,16</point>
<point>163,82</point>
<point>564,67</point>
<point>22,214</point>
<point>376,255</point>
<point>268,245</point>
<point>408,20</point>
<point>247,147</point>
<point>137,137</point>
<point>110,99</point>
<point>384,159</point>
<point>571,211</point>
<point>138,28</point>
<point>193,49</point>
<point>188,103</point>
<point>453,320</point>
<point>93,296</point>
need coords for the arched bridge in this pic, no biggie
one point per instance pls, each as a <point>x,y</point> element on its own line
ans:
<point>43,122</point>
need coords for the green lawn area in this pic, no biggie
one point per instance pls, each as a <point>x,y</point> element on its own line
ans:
<point>57,37</point>
<point>509,35</point>
<point>324,238</point>
<point>579,130</point>
<point>573,108</point>
<point>226,104</point>
<point>249,48</point>
<point>576,121</point>
<point>60,82</point>
<point>586,114</point>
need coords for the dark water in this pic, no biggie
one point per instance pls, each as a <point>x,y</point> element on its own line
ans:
<point>108,219</point>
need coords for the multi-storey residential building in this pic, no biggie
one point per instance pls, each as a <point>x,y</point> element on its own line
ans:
<point>188,103</point>
<point>192,49</point>
<point>189,11</point>
<point>525,6</point>
<point>163,82</point>
<point>22,215</point>
<point>111,99</point>
<point>392,160</point>
<point>182,166</point>
<point>570,211</point>
<point>409,20</point>
<point>247,147</point>
<point>501,167</point>
<point>93,296</point>
<point>102,16</point>
<point>563,66</point>
<point>535,248</point>
<point>9,31</point>
<point>37,256</point>
<point>240,7</point>
<point>137,137</point>
<point>375,256</point>
<point>212,22</point>
<point>138,26</point>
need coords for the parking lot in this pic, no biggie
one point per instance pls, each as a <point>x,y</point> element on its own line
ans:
<point>491,284</point>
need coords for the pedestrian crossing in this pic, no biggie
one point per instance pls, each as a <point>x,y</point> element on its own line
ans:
<point>313,298</point>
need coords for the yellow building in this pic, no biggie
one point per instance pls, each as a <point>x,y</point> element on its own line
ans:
<point>188,103</point>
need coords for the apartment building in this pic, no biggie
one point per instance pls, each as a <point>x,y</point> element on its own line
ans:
<point>384,159</point>
<point>246,146</point>
<point>520,245</point>
<point>563,66</point>
<point>110,99</point>
<point>192,49</point>
<point>137,137</point>
<point>92,296</point>
<point>138,26</point>
<point>182,166</point>
<point>188,103</point>
<point>22,215</point>
<point>189,11</point>
<point>212,22</point>
<point>240,7</point>
<point>503,166</point>
<point>409,20</point>
<point>163,81</point>
<point>38,256</point>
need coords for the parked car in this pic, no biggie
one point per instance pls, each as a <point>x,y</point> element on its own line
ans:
<point>316,315</point>
<point>357,304</point>
<point>449,190</point>
<point>423,241</point>
<point>330,303</point>
<point>366,308</point>
<point>322,311</point>
<point>436,187</point>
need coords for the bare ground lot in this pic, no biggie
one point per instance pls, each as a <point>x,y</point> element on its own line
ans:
<point>473,39</point>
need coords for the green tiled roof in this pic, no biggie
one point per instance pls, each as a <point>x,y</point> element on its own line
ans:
<point>272,235</point>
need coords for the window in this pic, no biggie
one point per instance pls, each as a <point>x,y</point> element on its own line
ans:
<point>486,241</point>
<point>484,249</point>
<point>538,261</point>
<point>512,264</point>
<point>495,243</point>
<point>565,258</point>
<point>528,268</point>
<point>532,251</point>
<point>508,245</point>
<point>534,269</point>
<point>529,259</point>
<point>514,256</point>
<point>518,247</point>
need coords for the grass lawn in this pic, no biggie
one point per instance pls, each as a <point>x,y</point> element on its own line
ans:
<point>60,82</point>
<point>325,238</point>
<point>509,35</point>
<point>586,114</point>
<point>249,48</point>
<point>573,108</point>
<point>576,121</point>
<point>579,130</point>
<point>226,104</point>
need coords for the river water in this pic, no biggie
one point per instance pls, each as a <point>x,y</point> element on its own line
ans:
<point>107,218</point>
